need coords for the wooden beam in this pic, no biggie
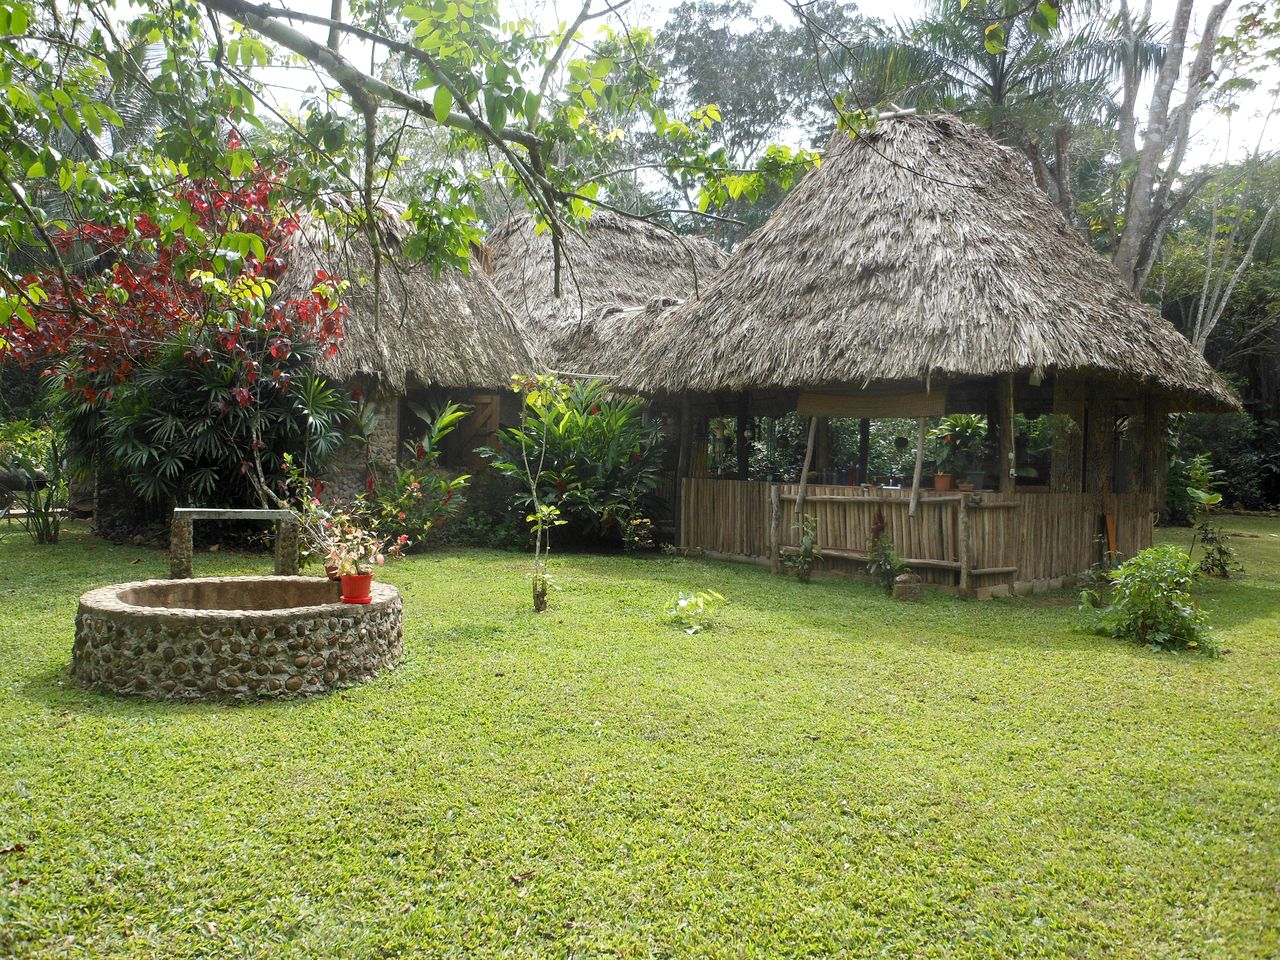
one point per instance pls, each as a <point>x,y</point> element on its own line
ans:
<point>920,404</point>
<point>804,471</point>
<point>962,544</point>
<point>915,476</point>
<point>740,444</point>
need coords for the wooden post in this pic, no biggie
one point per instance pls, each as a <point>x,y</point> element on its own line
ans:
<point>1008,465</point>
<point>915,477</point>
<point>962,542</point>
<point>775,528</point>
<point>740,443</point>
<point>683,455</point>
<point>804,471</point>
<point>864,448</point>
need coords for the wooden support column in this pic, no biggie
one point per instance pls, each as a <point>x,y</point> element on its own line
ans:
<point>915,476</point>
<point>962,544</point>
<point>864,448</point>
<point>775,528</point>
<point>741,445</point>
<point>1007,465</point>
<point>804,471</point>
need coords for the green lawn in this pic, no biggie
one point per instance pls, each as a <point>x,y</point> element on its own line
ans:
<point>825,774</point>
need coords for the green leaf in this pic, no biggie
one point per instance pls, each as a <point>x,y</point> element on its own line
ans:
<point>442,103</point>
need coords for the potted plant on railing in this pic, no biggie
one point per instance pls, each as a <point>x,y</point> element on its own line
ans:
<point>358,553</point>
<point>961,440</point>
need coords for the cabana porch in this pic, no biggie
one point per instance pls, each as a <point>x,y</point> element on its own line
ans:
<point>1096,491</point>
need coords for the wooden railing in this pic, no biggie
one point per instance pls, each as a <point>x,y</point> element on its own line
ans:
<point>968,541</point>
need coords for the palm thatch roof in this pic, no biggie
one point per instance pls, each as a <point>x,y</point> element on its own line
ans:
<point>617,278</point>
<point>451,331</point>
<point>918,251</point>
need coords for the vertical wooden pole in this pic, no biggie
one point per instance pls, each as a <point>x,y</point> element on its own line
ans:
<point>864,448</point>
<point>682,461</point>
<point>915,476</point>
<point>775,528</point>
<point>962,541</point>
<point>740,443</point>
<point>1008,465</point>
<point>804,471</point>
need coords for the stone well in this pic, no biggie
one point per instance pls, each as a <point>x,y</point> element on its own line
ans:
<point>233,637</point>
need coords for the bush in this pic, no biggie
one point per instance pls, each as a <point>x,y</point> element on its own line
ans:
<point>186,429</point>
<point>599,460</point>
<point>33,473</point>
<point>1150,603</point>
<point>801,561</point>
<point>883,562</point>
<point>694,612</point>
<point>419,496</point>
<point>1190,480</point>
<point>1246,446</point>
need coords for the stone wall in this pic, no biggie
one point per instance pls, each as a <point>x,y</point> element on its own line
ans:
<point>130,640</point>
<point>344,476</point>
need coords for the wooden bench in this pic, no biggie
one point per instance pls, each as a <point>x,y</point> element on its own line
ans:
<point>182,544</point>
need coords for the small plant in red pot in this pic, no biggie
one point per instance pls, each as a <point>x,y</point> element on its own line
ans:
<point>358,553</point>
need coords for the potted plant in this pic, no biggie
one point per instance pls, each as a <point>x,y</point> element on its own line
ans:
<point>357,553</point>
<point>961,439</point>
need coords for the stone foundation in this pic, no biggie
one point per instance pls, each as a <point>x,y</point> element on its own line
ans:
<point>233,637</point>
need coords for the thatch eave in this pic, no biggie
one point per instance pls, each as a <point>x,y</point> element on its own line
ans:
<point>452,331</point>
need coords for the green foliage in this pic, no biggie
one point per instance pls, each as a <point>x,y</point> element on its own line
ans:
<point>1150,603</point>
<point>1245,447</point>
<point>801,560</point>
<point>1190,480</point>
<point>960,440</point>
<point>694,612</point>
<point>180,431</point>
<point>418,496</point>
<point>33,475</point>
<point>883,562</point>
<point>597,460</point>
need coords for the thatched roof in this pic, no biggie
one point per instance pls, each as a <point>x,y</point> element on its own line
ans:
<point>617,278</point>
<point>451,331</point>
<point>918,251</point>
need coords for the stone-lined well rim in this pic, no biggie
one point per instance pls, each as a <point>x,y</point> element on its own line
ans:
<point>107,600</point>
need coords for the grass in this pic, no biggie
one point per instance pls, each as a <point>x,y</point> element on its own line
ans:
<point>826,773</point>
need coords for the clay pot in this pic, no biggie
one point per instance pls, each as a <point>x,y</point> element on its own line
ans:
<point>356,587</point>
<point>942,481</point>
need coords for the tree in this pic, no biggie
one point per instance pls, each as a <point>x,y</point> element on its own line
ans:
<point>1152,163</point>
<point>996,64</point>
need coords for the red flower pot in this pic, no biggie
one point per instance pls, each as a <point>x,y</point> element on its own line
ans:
<point>356,587</point>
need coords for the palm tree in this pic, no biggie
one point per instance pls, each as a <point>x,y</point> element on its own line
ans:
<point>984,61</point>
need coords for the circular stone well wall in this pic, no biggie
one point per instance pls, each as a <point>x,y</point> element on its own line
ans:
<point>233,637</point>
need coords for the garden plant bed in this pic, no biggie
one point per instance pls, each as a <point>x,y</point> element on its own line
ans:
<point>233,637</point>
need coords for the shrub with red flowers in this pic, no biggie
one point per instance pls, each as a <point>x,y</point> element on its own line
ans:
<point>418,495</point>
<point>207,275</point>
<point>181,368</point>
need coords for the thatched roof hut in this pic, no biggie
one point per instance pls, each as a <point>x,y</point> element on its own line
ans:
<point>453,331</point>
<point>919,251</point>
<point>619,276</point>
